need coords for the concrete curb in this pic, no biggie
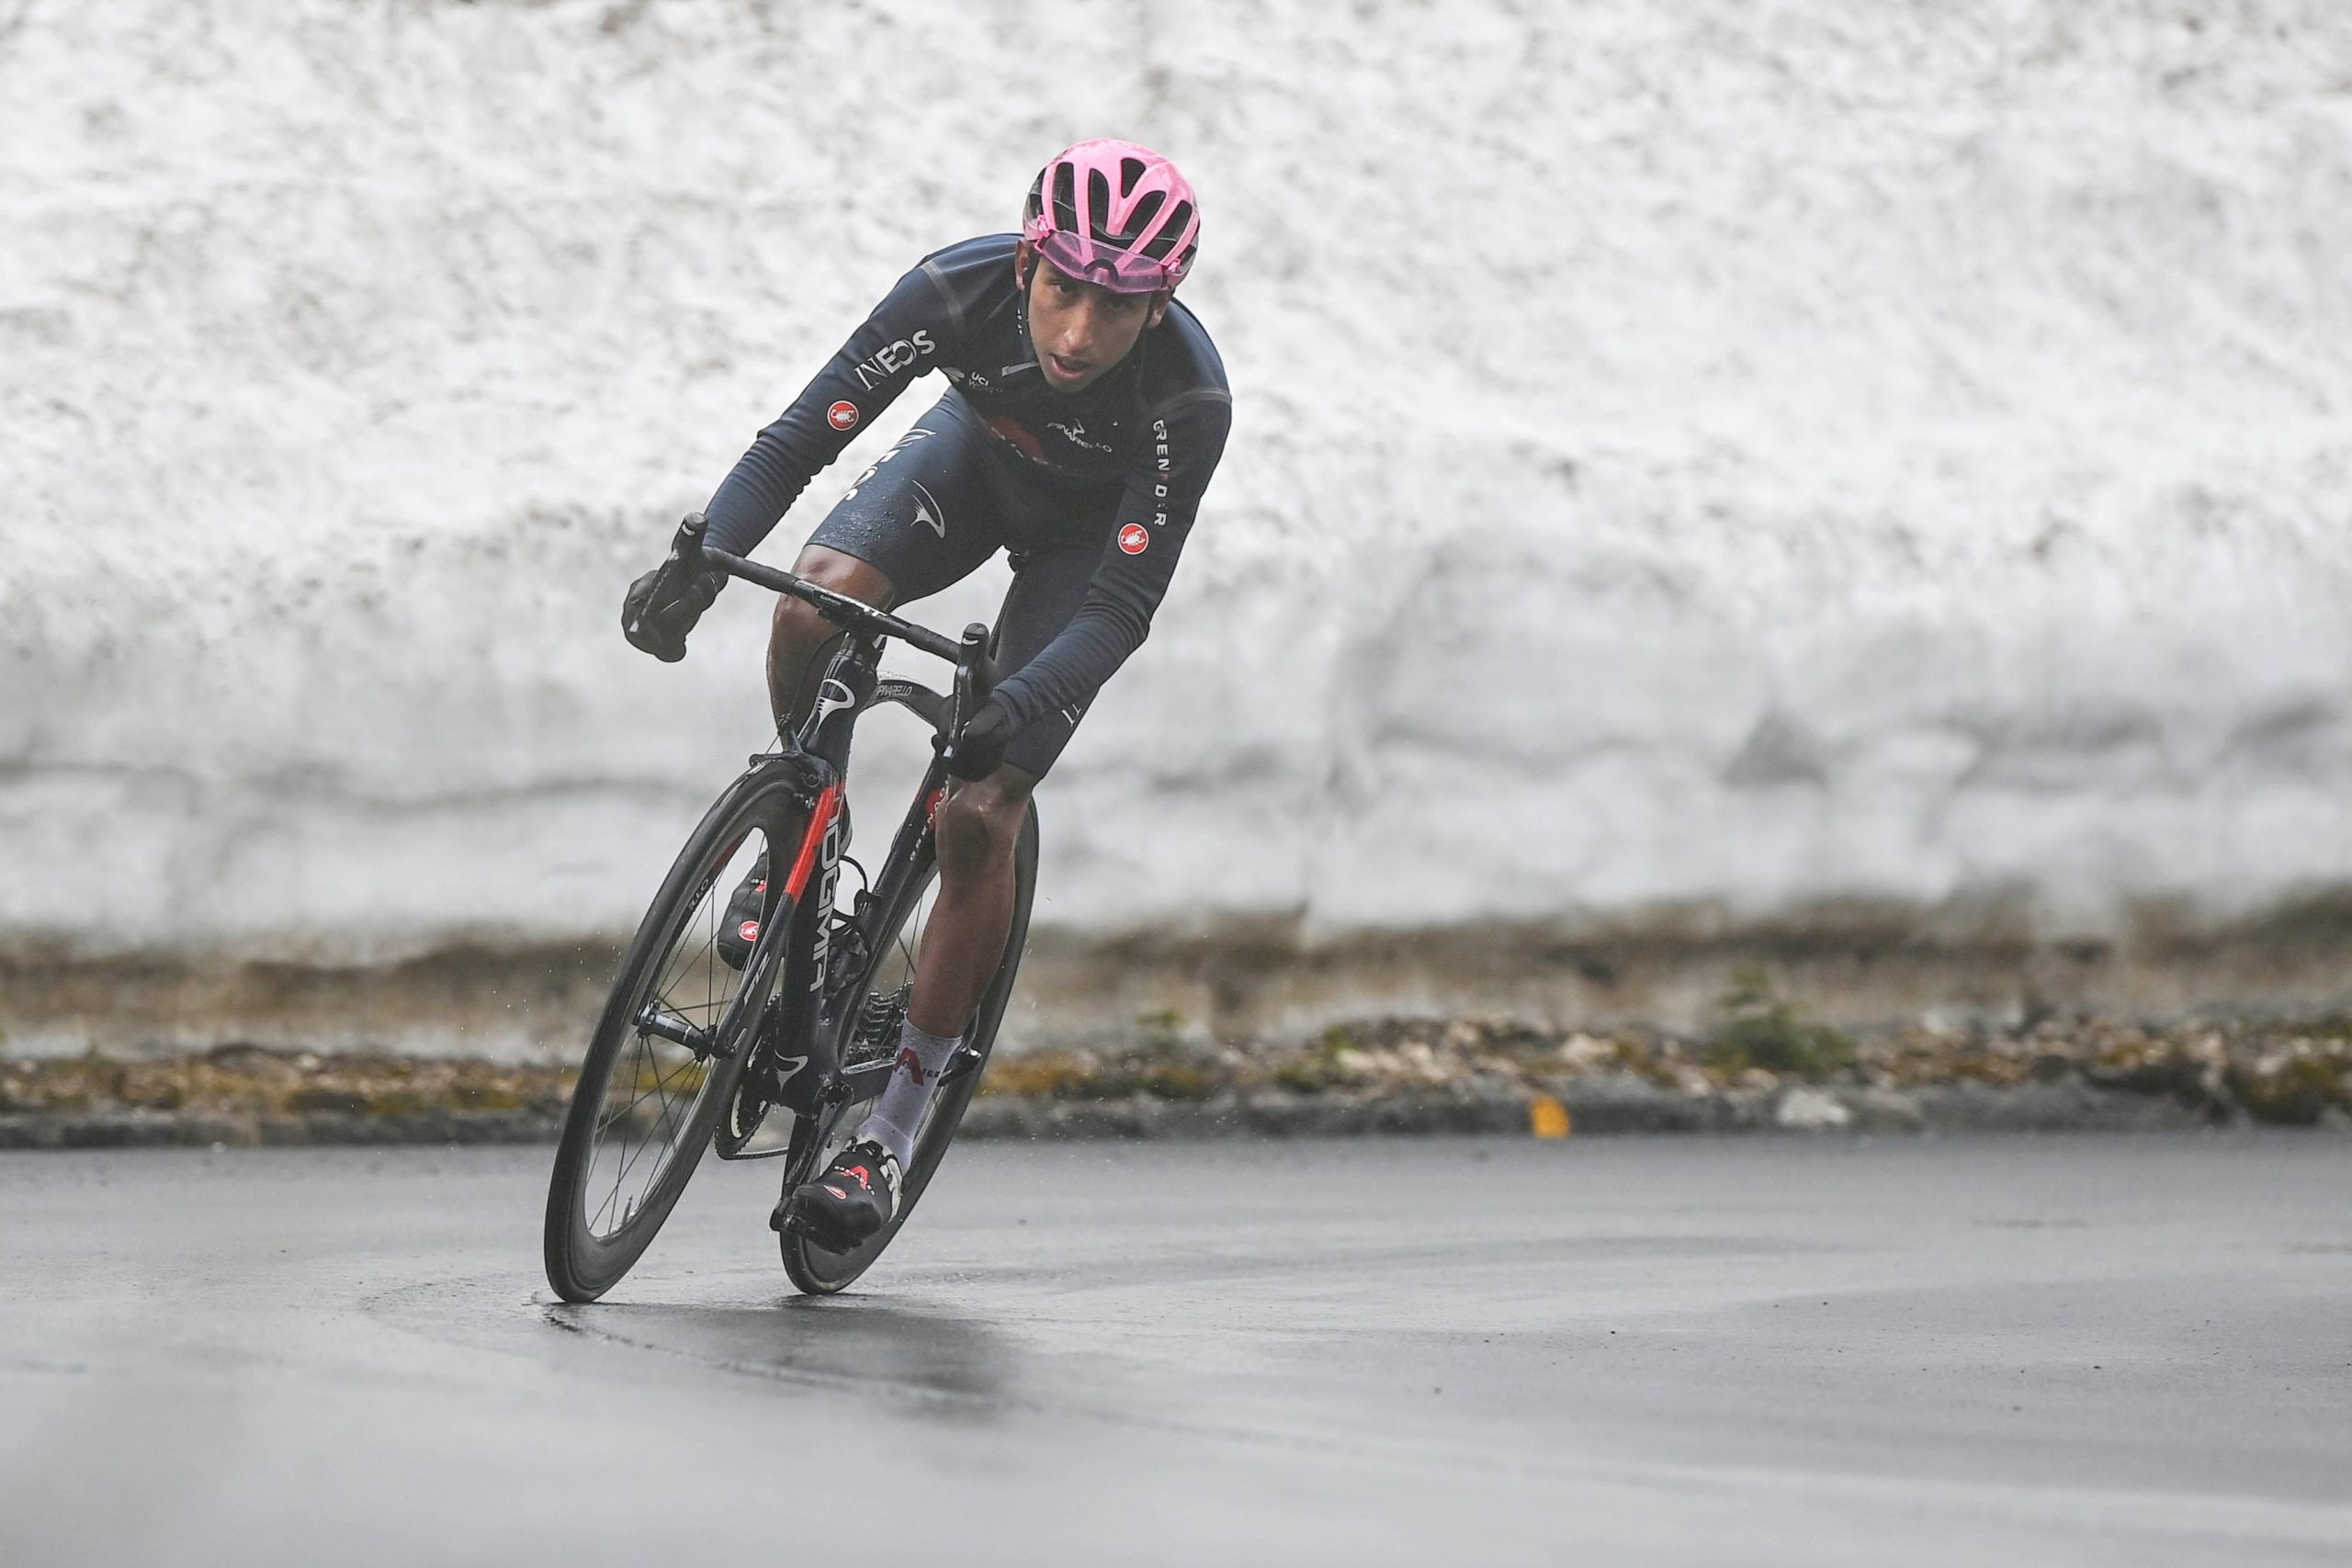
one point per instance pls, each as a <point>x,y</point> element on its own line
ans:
<point>1601,1105</point>
<point>1607,1105</point>
<point>166,1129</point>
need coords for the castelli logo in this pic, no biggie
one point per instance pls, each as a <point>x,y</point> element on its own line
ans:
<point>843,416</point>
<point>749,931</point>
<point>1135,538</point>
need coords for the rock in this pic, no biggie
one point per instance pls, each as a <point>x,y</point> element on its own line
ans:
<point>1811,1110</point>
<point>1581,1053</point>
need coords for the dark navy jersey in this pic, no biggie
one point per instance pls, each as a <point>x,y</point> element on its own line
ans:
<point>1138,445</point>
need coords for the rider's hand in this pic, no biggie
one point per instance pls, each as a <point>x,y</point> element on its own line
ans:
<point>663,606</point>
<point>979,750</point>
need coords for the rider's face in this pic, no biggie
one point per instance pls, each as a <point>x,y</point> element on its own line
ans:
<point>1081,329</point>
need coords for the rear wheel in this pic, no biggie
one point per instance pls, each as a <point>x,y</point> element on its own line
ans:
<point>871,1016</point>
<point>666,1052</point>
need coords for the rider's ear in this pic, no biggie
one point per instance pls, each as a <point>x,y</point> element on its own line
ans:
<point>1158,310</point>
<point>1025,263</point>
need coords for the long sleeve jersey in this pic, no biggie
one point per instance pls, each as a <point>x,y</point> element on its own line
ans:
<point>1139,443</point>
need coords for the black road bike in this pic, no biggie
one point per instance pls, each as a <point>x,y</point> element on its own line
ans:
<point>692,1052</point>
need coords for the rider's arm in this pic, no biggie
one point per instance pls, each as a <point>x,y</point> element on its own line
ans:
<point>908,331</point>
<point>1127,586</point>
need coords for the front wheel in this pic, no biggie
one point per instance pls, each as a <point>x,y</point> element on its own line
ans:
<point>870,1019</point>
<point>666,1052</point>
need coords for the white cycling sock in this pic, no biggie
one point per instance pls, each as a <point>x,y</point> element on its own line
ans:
<point>898,1111</point>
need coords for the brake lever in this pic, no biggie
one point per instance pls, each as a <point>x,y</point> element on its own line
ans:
<point>685,548</point>
<point>685,557</point>
<point>975,678</point>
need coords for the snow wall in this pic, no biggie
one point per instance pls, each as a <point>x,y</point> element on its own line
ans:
<point>1874,477</point>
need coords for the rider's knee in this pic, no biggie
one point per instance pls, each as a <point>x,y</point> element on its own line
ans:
<point>980,820</point>
<point>796,621</point>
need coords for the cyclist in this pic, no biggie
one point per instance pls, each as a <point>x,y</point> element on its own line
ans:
<point>1084,414</point>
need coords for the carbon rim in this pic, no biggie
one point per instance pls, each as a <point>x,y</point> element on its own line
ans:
<point>653,1101</point>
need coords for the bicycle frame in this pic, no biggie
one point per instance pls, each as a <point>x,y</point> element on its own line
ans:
<point>796,931</point>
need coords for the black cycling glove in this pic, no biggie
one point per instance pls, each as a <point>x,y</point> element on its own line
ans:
<point>663,606</point>
<point>979,750</point>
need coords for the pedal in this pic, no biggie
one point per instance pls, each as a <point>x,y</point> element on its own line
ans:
<point>790,1219</point>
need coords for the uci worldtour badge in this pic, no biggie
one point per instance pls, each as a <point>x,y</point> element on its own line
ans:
<point>842,416</point>
<point>1135,538</point>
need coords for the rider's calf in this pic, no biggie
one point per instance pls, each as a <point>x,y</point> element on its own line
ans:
<point>977,829</point>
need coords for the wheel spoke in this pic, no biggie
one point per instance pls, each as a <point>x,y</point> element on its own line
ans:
<point>652,1094</point>
<point>664,1123</point>
<point>670,1120</point>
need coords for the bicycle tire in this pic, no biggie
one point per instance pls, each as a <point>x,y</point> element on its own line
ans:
<point>818,1271</point>
<point>581,1263</point>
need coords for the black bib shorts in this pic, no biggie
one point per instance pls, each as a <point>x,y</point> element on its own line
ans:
<point>941,502</point>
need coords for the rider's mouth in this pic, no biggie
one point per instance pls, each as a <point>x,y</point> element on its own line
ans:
<point>1068,369</point>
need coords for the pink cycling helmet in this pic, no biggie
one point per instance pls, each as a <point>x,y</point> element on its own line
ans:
<point>1117,214</point>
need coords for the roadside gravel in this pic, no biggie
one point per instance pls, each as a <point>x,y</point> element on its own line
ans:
<point>1763,1071</point>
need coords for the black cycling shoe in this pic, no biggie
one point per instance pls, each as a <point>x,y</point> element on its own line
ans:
<point>740,929</point>
<point>857,1195</point>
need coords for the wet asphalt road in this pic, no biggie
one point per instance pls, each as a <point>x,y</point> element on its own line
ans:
<point>2097,1349</point>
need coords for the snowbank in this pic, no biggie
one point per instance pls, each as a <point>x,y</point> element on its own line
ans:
<point>1722,457</point>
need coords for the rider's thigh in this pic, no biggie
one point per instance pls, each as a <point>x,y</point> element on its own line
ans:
<point>924,516</point>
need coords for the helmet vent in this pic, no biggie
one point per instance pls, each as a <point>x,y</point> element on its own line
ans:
<point>1139,220</point>
<point>1159,244</point>
<point>1130,170</point>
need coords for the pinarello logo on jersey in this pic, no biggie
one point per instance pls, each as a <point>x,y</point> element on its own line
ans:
<point>842,416</point>
<point>1135,538</point>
